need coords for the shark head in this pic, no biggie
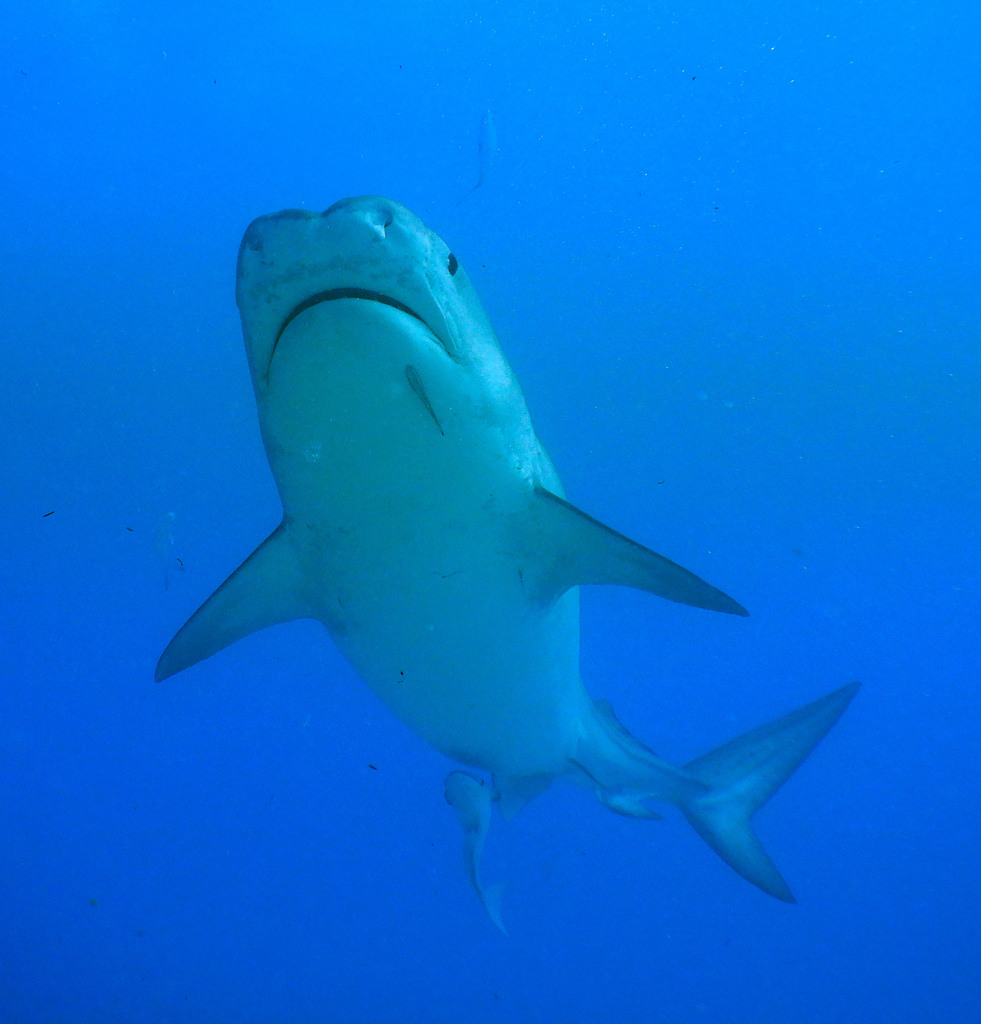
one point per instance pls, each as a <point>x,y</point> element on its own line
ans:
<point>348,313</point>
<point>366,248</point>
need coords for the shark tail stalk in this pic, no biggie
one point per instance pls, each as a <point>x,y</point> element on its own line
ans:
<point>744,773</point>
<point>718,792</point>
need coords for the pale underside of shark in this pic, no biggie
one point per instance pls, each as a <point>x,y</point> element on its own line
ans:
<point>425,526</point>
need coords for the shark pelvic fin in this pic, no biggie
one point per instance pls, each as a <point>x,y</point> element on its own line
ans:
<point>578,549</point>
<point>267,588</point>
<point>513,793</point>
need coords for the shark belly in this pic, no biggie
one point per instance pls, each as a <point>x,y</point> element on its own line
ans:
<point>401,490</point>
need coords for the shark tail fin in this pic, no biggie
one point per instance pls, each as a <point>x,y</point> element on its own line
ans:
<point>267,588</point>
<point>744,773</point>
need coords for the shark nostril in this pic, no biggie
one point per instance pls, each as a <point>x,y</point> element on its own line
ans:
<point>365,209</point>
<point>380,220</point>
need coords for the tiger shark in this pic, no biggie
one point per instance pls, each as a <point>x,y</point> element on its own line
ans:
<point>425,526</point>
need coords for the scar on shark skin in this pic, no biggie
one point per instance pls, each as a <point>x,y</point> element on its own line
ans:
<point>483,663</point>
<point>415,382</point>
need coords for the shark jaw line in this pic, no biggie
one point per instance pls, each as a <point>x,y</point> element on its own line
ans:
<point>346,293</point>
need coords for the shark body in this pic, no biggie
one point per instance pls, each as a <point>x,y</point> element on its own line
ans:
<point>425,526</point>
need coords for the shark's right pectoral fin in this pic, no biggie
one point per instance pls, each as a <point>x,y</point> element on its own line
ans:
<point>267,588</point>
<point>579,549</point>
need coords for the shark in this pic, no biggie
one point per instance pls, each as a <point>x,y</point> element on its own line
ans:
<point>426,527</point>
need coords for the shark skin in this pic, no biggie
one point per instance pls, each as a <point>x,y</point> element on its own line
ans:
<point>425,526</point>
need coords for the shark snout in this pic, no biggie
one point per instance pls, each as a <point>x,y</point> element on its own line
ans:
<point>373,212</point>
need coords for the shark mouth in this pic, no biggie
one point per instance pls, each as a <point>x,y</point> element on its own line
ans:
<point>341,293</point>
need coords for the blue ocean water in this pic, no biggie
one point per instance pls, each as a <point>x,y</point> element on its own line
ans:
<point>732,256</point>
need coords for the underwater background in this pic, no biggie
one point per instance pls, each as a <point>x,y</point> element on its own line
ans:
<point>731,252</point>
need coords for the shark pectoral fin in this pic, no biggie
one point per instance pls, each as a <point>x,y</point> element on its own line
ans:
<point>744,773</point>
<point>579,550</point>
<point>471,798</point>
<point>264,590</point>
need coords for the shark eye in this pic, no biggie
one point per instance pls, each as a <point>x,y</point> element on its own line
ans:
<point>451,265</point>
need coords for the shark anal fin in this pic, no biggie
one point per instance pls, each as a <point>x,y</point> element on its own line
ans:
<point>267,588</point>
<point>576,549</point>
<point>627,805</point>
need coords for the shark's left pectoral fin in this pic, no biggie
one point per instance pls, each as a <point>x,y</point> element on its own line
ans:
<point>267,588</point>
<point>578,549</point>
